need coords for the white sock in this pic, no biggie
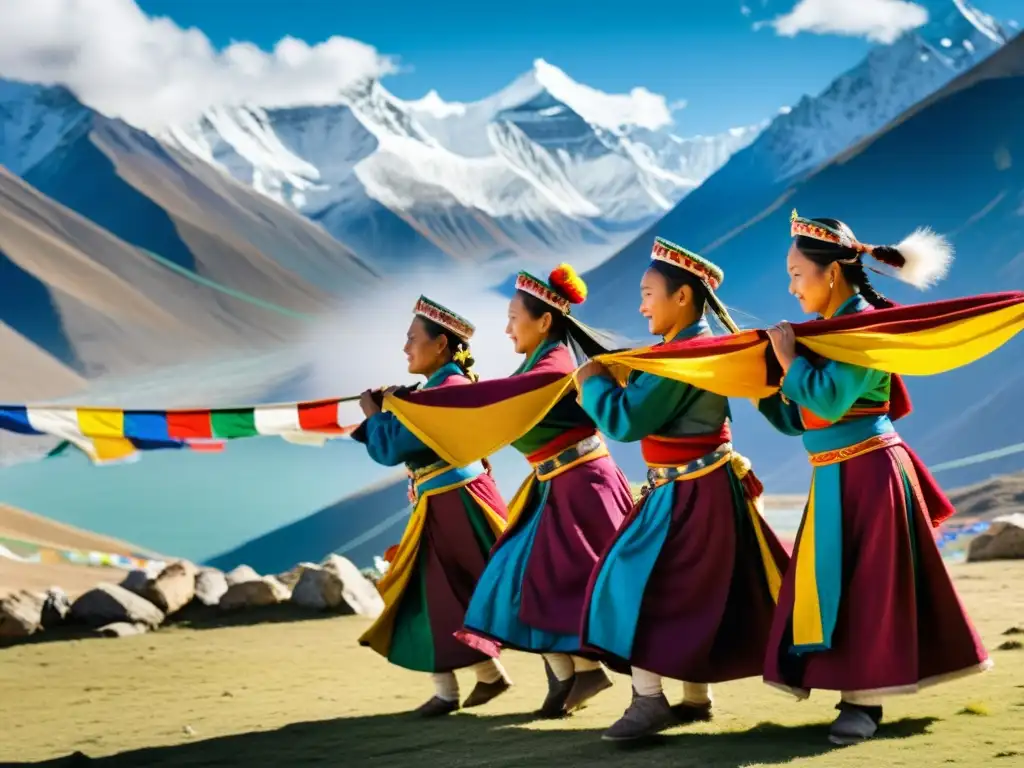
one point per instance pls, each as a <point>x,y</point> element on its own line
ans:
<point>584,665</point>
<point>446,686</point>
<point>561,665</point>
<point>646,683</point>
<point>698,694</point>
<point>861,700</point>
<point>489,671</point>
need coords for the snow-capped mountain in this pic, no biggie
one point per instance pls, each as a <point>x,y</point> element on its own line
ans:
<point>888,81</point>
<point>33,121</point>
<point>542,168</point>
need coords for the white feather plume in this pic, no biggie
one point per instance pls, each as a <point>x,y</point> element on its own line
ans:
<point>927,256</point>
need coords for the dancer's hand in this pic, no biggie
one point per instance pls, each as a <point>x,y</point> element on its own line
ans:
<point>590,368</point>
<point>784,343</point>
<point>367,404</point>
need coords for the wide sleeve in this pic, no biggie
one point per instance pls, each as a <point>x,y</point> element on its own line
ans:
<point>388,442</point>
<point>631,413</point>
<point>782,414</point>
<point>828,391</point>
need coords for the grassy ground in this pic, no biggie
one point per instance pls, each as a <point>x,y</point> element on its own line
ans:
<point>302,694</point>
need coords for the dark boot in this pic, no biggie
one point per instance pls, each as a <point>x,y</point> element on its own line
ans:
<point>692,713</point>
<point>558,691</point>
<point>485,692</point>
<point>646,716</point>
<point>437,707</point>
<point>854,724</point>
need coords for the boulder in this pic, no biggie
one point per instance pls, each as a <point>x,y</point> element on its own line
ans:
<point>122,629</point>
<point>291,578</point>
<point>20,614</point>
<point>109,604</point>
<point>1004,540</point>
<point>318,588</point>
<point>358,592</point>
<point>56,607</point>
<point>254,594</point>
<point>135,581</point>
<point>211,585</point>
<point>240,575</point>
<point>173,588</point>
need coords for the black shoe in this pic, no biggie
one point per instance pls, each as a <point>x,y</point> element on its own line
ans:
<point>485,692</point>
<point>692,713</point>
<point>558,692</point>
<point>437,707</point>
<point>854,724</point>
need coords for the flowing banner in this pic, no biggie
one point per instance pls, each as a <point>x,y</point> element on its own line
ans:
<point>468,423</point>
<point>33,552</point>
<point>465,424</point>
<point>115,434</point>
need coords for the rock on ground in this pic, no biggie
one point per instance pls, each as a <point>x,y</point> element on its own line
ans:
<point>318,588</point>
<point>135,581</point>
<point>173,588</point>
<point>122,629</point>
<point>254,594</point>
<point>1004,540</point>
<point>240,575</point>
<point>56,607</point>
<point>211,585</point>
<point>20,614</point>
<point>109,604</point>
<point>358,592</point>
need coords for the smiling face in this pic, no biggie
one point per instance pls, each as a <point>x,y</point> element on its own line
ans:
<point>424,354</point>
<point>526,331</point>
<point>809,282</point>
<point>667,311</point>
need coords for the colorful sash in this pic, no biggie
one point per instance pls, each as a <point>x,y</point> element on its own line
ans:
<point>619,586</point>
<point>819,555</point>
<point>392,586</point>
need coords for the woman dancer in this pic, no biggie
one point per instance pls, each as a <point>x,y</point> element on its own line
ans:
<point>457,516</point>
<point>530,596</point>
<point>868,608</point>
<point>688,588</point>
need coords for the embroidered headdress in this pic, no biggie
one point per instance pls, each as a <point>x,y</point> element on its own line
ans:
<point>445,318</point>
<point>921,259</point>
<point>562,289</point>
<point>711,274</point>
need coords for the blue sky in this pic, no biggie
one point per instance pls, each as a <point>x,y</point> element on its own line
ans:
<point>702,51</point>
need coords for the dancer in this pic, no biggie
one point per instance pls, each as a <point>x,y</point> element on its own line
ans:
<point>868,608</point>
<point>688,587</point>
<point>530,596</point>
<point>457,516</point>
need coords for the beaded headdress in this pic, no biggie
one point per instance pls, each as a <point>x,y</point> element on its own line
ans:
<point>444,317</point>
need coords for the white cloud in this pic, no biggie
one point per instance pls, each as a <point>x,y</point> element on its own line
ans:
<point>150,72</point>
<point>881,21</point>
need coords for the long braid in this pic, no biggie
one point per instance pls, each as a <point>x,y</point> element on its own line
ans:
<point>857,276</point>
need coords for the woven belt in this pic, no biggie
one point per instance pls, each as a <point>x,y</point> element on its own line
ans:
<point>573,453</point>
<point>661,475</point>
<point>417,474</point>
<point>873,443</point>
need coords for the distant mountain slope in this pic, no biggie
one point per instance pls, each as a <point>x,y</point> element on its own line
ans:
<point>930,167</point>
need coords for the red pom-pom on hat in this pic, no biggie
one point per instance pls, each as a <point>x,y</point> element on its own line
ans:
<point>564,279</point>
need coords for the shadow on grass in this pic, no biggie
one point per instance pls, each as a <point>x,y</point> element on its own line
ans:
<point>499,742</point>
